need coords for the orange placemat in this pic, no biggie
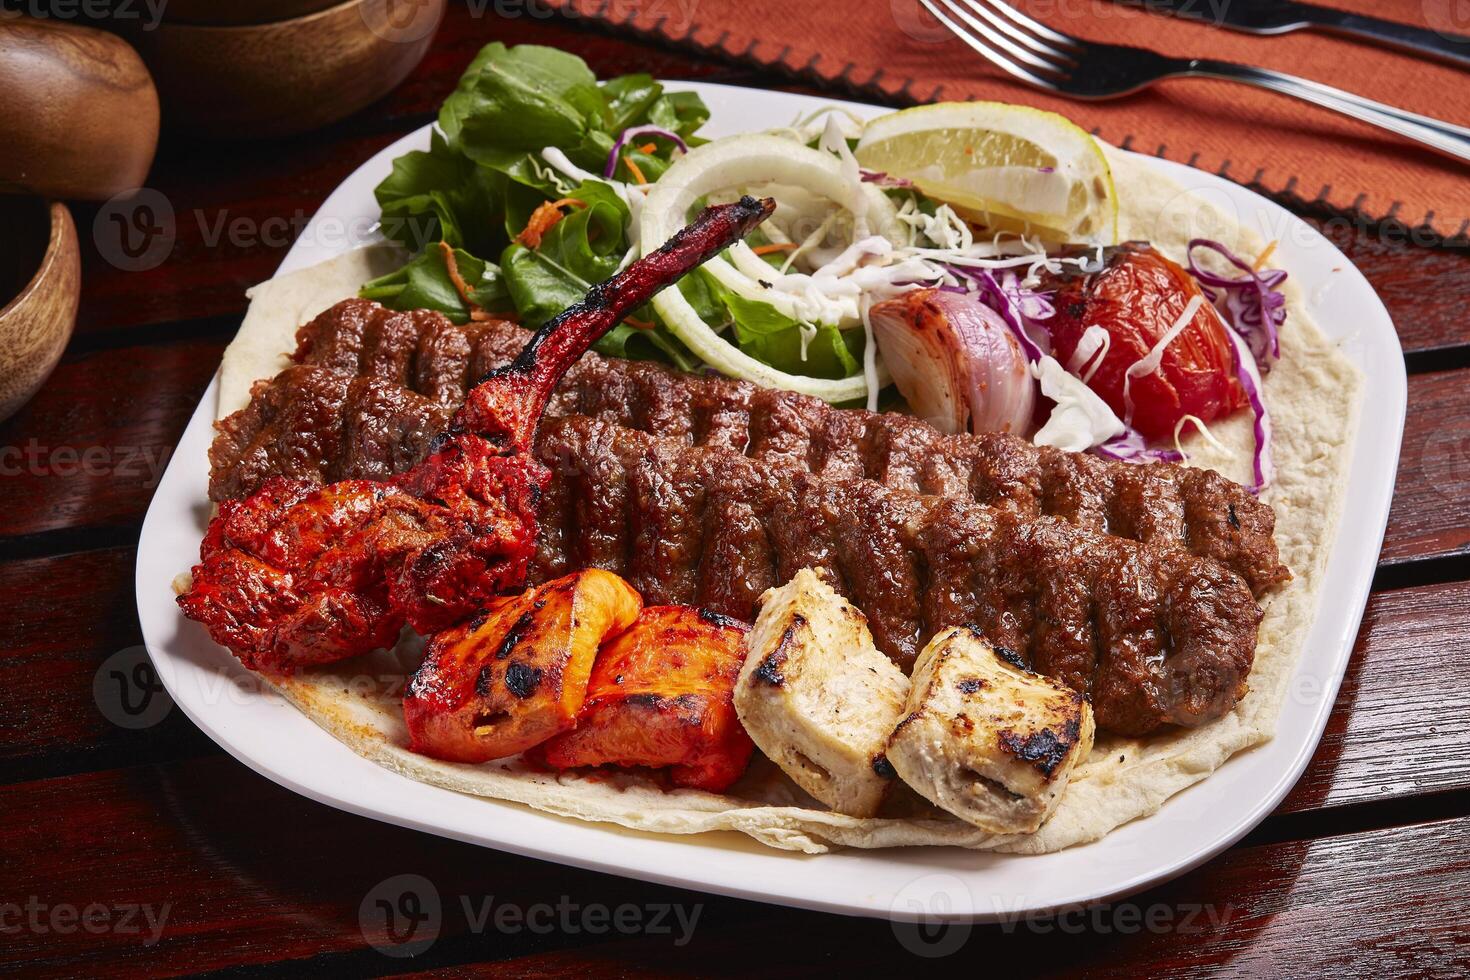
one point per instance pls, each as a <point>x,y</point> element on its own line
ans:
<point>895,50</point>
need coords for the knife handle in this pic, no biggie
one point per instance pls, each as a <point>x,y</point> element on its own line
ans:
<point>1444,137</point>
<point>1406,37</point>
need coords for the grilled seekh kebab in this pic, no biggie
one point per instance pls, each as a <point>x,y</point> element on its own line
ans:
<point>1153,636</point>
<point>299,573</point>
<point>689,518</point>
<point>372,387</point>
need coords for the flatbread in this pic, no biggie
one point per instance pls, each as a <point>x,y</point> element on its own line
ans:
<point>1313,395</point>
<point>278,306</point>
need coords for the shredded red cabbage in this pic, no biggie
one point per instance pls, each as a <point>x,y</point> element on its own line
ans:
<point>1018,307</point>
<point>883,180</point>
<point>1254,303</point>
<point>1131,447</point>
<point>611,167</point>
<point>1029,303</point>
<point>1263,466</point>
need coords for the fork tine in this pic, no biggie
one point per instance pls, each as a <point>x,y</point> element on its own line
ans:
<point>1037,27</point>
<point>994,13</point>
<point>998,40</point>
<point>995,57</point>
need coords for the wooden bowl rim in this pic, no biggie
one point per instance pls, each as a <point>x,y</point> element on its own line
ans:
<point>60,217</point>
<point>220,29</point>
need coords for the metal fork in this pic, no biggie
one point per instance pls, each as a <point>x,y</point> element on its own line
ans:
<point>1058,62</point>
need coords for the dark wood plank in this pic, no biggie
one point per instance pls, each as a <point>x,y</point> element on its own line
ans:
<point>71,696</point>
<point>235,209</point>
<point>253,875</point>
<point>1334,906</point>
<point>1393,732</point>
<point>84,452</point>
<point>250,872</point>
<point>238,207</point>
<point>1431,505</point>
<point>91,446</point>
<point>205,836</point>
<point>1422,286</point>
<point>1391,736</point>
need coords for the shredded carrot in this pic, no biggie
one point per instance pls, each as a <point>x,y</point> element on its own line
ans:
<point>451,265</point>
<point>633,169</point>
<point>647,148</point>
<point>1261,259</point>
<point>637,324</point>
<point>543,219</point>
<point>774,247</point>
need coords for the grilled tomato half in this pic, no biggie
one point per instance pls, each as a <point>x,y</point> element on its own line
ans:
<point>1137,297</point>
<point>662,694</point>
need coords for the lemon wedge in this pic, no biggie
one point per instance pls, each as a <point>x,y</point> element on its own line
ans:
<point>1009,167</point>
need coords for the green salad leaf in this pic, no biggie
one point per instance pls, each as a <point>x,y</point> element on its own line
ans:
<point>440,194</point>
<point>581,249</point>
<point>424,283</point>
<point>526,98</point>
<point>630,98</point>
<point>483,177</point>
<point>772,337</point>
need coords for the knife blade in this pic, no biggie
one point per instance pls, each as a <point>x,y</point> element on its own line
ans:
<point>1284,16</point>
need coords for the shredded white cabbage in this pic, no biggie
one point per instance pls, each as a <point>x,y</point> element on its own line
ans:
<point>870,355</point>
<point>1205,434</point>
<point>1092,348</point>
<point>1149,363</point>
<point>550,175</point>
<point>833,141</point>
<point>804,129</point>
<point>945,228</point>
<point>1080,419</point>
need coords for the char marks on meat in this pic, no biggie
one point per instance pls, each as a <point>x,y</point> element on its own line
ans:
<point>372,387</point>
<point>1155,636</point>
<point>1134,584</point>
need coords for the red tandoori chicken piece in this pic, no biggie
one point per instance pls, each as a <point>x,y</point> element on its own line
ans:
<point>299,574</point>
<point>517,674</point>
<point>662,694</point>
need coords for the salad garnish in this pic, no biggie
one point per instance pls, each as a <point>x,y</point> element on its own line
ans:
<point>1253,301</point>
<point>876,268</point>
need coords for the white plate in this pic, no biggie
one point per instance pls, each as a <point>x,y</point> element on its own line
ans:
<point>911,883</point>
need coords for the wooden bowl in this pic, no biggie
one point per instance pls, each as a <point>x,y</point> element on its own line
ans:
<point>42,270</point>
<point>289,76</point>
<point>79,114</point>
<point>240,11</point>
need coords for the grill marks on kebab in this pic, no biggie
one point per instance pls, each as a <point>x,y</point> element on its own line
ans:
<point>744,486</point>
<point>374,387</point>
<point>1154,636</point>
<point>299,573</point>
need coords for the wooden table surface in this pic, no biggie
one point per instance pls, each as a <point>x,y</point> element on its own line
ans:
<point>151,850</point>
